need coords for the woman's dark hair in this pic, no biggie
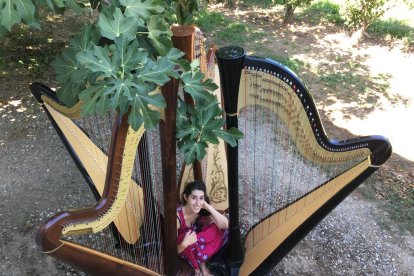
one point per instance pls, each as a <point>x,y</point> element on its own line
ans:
<point>191,186</point>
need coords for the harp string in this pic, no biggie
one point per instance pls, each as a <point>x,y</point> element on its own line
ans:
<point>146,251</point>
<point>276,171</point>
<point>138,254</point>
<point>154,188</point>
<point>98,133</point>
<point>151,198</point>
<point>99,130</point>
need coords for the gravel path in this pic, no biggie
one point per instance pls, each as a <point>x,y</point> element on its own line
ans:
<point>355,239</point>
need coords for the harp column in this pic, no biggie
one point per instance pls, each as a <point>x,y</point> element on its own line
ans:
<point>183,39</point>
<point>168,149</point>
<point>230,62</point>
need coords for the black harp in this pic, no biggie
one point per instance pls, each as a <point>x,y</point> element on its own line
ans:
<point>285,175</point>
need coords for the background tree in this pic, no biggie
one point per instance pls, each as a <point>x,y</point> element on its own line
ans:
<point>359,14</point>
<point>290,6</point>
<point>184,10</point>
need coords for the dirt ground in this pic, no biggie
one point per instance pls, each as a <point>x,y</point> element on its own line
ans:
<point>38,178</point>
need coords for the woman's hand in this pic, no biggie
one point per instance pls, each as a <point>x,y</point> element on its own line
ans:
<point>206,206</point>
<point>189,238</point>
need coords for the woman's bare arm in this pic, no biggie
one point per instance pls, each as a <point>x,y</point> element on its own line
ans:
<point>220,220</point>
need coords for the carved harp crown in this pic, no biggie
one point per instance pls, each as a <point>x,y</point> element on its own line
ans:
<point>285,175</point>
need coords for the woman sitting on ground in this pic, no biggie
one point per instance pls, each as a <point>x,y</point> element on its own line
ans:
<point>201,229</point>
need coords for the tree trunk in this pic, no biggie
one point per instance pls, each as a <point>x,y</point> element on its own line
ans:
<point>289,14</point>
<point>230,3</point>
<point>357,36</point>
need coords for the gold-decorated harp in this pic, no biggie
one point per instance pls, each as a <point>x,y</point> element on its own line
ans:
<point>284,176</point>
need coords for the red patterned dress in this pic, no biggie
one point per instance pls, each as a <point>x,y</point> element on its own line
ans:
<point>209,240</point>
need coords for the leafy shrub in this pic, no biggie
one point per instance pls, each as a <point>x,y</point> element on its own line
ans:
<point>393,27</point>
<point>324,10</point>
<point>210,21</point>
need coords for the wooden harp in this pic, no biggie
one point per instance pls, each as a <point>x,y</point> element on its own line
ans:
<point>107,238</point>
<point>286,174</point>
<point>131,230</point>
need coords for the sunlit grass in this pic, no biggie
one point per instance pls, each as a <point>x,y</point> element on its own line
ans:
<point>261,3</point>
<point>225,30</point>
<point>234,32</point>
<point>293,64</point>
<point>256,35</point>
<point>400,208</point>
<point>323,11</point>
<point>210,21</point>
<point>393,28</point>
<point>339,78</point>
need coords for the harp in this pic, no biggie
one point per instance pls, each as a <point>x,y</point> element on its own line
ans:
<point>286,174</point>
<point>133,224</point>
<point>283,178</point>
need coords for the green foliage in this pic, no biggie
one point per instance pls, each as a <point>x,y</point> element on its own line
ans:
<point>401,209</point>
<point>290,7</point>
<point>296,3</point>
<point>324,11</point>
<point>292,63</point>
<point>185,10</point>
<point>334,79</point>
<point>142,9</point>
<point>14,12</point>
<point>113,23</point>
<point>123,74</point>
<point>200,125</point>
<point>3,31</point>
<point>210,21</point>
<point>24,11</point>
<point>260,3</point>
<point>159,34</point>
<point>392,27</point>
<point>361,13</point>
<point>235,32</point>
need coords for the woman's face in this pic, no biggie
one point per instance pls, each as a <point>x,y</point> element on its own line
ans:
<point>195,200</point>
